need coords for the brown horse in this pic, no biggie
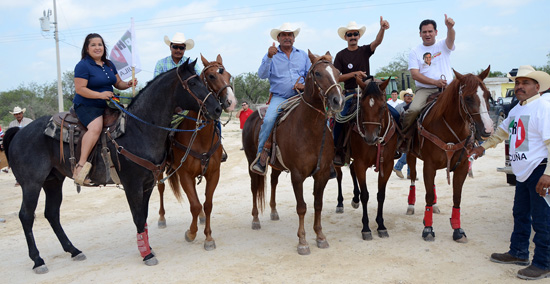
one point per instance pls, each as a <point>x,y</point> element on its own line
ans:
<point>373,144</point>
<point>304,143</point>
<point>204,156</point>
<point>445,131</point>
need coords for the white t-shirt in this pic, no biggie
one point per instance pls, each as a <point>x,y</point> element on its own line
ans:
<point>394,104</point>
<point>528,127</point>
<point>440,62</point>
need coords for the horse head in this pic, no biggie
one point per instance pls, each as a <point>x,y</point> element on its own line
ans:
<point>191,83</point>
<point>322,80</point>
<point>373,112</point>
<point>474,98</point>
<point>217,79</point>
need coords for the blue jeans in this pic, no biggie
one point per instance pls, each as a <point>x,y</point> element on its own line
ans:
<point>401,162</point>
<point>269,121</point>
<point>531,210</point>
<point>345,111</point>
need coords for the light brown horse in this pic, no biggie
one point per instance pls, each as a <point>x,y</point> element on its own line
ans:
<point>204,156</point>
<point>450,127</point>
<point>372,144</point>
<point>305,145</point>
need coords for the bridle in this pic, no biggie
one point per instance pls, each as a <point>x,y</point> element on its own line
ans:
<point>221,69</point>
<point>322,93</point>
<point>185,85</point>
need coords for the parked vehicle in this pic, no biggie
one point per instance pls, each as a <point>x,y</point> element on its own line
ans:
<point>496,111</point>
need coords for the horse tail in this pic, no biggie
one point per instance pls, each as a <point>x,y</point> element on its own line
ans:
<point>260,192</point>
<point>10,133</point>
<point>174,181</point>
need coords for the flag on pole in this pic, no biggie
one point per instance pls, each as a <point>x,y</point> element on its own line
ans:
<point>124,54</point>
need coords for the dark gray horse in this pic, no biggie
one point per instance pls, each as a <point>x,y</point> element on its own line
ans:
<point>35,157</point>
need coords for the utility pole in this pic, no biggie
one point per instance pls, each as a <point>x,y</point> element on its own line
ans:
<point>45,25</point>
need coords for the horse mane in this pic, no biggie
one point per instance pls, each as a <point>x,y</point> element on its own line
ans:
<point>373,89</point>
<point>326,57</point>
<point>151,83</point>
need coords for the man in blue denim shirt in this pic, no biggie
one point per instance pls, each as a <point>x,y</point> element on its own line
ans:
<point>286,67</point>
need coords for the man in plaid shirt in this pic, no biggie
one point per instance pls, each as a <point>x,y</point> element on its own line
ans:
<point>178,45</point>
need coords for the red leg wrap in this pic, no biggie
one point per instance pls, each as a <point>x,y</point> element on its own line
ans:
<point>146,230</point>
<point>455,218</point>
<point>435,196</point>
<point>143,244</point>
<point>412,195</point>
<point>428,216</point>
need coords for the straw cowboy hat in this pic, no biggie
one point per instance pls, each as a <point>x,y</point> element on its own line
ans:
<point>527,71</point>
<point>17,110</point>
<point>352,26</point>
<point>284,28</point>
<point>408,91</point>
<point>179,38</point>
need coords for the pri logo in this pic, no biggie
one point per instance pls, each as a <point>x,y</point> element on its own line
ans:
<point>519,130</point>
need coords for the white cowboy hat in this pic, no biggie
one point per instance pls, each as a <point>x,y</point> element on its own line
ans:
<point>284,28</point>
<point>352,26</point>
<point>527,71</point>
<point>403,93</point>
<point>179,38</point>
<point>17,110</point>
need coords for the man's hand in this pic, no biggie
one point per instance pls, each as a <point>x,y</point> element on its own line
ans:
<point>384,24</point>
<point>543,185</point>
<point>271,51</point>
<point>299,87</point>
<point>441,83</point>
<point>477,151</point>
<point>449,22</point>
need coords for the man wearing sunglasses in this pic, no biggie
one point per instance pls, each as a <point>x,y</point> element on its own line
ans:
<point>178,45</point>
<point>353,62</point>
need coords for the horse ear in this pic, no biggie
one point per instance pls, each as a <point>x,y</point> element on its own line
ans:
<point>384,85</point>
<point>312,57</point>
<point>485,73</point>
<point>219,59</point>
<point>328,56</point>
<point>191,65</point>
<point>204,61</point>
<point>458,75</point>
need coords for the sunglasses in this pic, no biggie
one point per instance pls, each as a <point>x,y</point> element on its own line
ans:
<point>352,34</point>
<point>243,104</point>
<point>408,95</point>
<point>178,47</point>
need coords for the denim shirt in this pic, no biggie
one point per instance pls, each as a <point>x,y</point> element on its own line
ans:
<point>283,72</point>
<point>167,63</point>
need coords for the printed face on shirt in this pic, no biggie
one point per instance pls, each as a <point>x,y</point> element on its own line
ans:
<point>177,51</point>
<point>96,48</point>
<point>428,58</point>
<point>526,88</point>
<point>428,34</point>
<point>286,39</point>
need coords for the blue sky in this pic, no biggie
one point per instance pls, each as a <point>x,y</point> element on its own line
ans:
<point>500,33</point>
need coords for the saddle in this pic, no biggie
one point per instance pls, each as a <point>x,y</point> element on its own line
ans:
<point>66,128</point>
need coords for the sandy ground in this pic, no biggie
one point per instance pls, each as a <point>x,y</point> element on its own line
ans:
<point>98,222</point>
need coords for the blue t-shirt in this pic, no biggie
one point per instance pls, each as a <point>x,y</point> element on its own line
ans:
<point>100,79</point>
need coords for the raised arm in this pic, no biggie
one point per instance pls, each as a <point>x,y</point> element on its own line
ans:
<point>450,23</point>
<point>384,25</point>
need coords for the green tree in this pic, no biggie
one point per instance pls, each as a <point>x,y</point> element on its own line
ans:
<point>398,67</point>
<point>249,87</point>
<point>493,74</point>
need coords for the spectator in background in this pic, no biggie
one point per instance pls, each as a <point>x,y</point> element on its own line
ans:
<point>401,108</point>
<point>394,101</point>
<point>19,121</point>
<point>243,115</point>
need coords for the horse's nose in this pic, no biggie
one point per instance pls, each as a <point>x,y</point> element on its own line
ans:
<point>337,102</point>
<point>218,111</point>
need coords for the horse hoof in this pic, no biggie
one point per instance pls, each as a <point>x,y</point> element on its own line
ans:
<point>355,205</point>
<point>151,261</point>
<point>188,236</point>
<point>42,269</point>
<point>161,224</point>
<point>303,250</point>
<point>410,210</point>
<point>210,245</point>
<point>322,244</point>
<point>274,216</point>
<point>367,236</point>
<point>435,209</point>
<point>256,225</point>
<point>202,220</point>
<point>459,236</point>
<point>79,257</point>
<point>428,234</point>
<point>339,210</point>
<point>383,234</point>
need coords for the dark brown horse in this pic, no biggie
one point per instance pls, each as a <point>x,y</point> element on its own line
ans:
<point>373,144</point>
<point>305,145</point>
<point>199,154</point>
<point>447,129</point>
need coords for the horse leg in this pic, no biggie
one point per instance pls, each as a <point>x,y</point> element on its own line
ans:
<point>360,173</point>
<point>272,203</point>
<point>54,197</point>
<point>429,177</point>
<point>319,185</point>
<point>340,198</point>
<point>161,223</point>
<point>435,207</point>
<point>411,164</point>
<point>257,184</point>
<point>356,192</point>
<point>212,180</point>
<point>31,194</point>
<point>187,182</point>
<point>459,177</point>
<point>381,197</point>
<point>301,208</point>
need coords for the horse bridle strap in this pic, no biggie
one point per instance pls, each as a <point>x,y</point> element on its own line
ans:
<point>186,87</point>
<point>203,77</point>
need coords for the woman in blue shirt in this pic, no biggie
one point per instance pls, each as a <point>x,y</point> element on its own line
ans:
<point>94,79</point>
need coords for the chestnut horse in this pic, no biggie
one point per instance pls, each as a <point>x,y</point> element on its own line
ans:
<point>373,144</point>
<point>445,132</point>
<point>205,152</point>
<point>305,145</point>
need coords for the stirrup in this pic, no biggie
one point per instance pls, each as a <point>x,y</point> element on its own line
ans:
<point>80,179</point>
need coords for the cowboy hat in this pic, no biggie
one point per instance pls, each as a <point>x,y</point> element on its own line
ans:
<point>527,71</point>
<point>284,28</point>
<point>17,110</point>
<point>404,92</point>
<point>352,26</point>
<point>179,38</point>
